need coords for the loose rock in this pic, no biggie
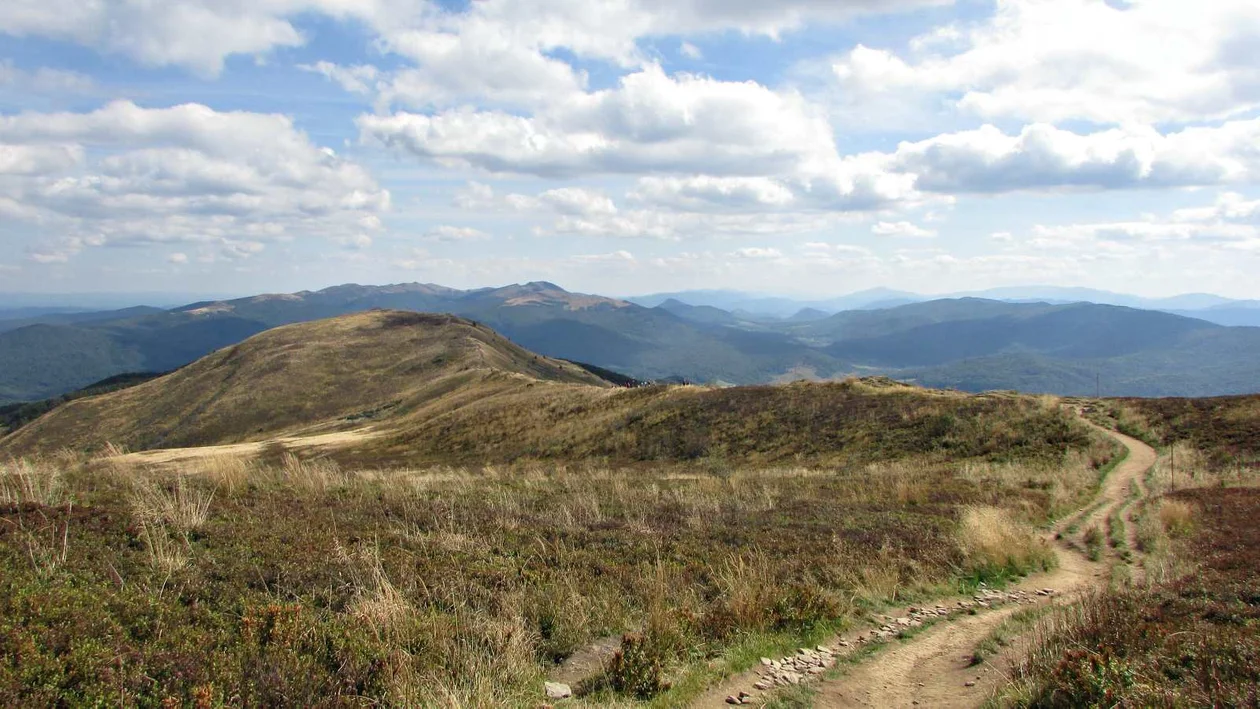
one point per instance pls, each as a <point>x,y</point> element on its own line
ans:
<point>556,690</point>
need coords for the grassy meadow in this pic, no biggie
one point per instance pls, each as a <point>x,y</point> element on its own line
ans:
<point>317,583</point>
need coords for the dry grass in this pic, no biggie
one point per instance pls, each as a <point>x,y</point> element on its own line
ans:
<point>167,551</point>
<point>24,481</point>
<point>377,601</point>
<point>879,582</point>
<point>1177,517</point>
<point>181,505</point>
<point>315,476</point>
<point>442,585</point>
<point>992,539</point>
<point>227,473</point>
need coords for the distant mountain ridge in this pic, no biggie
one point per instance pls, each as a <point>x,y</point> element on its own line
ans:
<point>1213,308</point>
<point>967,343</point>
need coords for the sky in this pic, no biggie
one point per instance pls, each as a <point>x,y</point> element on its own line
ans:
<point>801,147</point>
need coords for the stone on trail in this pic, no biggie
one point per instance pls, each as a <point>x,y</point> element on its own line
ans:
<point>556,690</point>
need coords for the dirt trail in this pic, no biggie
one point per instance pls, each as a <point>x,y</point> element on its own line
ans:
<point>933,669</point>
<point>173,457</point>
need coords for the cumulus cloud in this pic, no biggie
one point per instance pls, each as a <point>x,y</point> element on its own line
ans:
<point>1045,157</point>
<point>195,34</point>
<point>1114,63</point>
<point>186,173</point>
<point>901,229</point>
<point>178,259</point>
<point>700,192</point>
<point>650,122</point>
<point>38,159</point>
<point>576,201</point>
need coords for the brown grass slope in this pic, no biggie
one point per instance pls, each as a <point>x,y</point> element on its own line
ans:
<point>440,390</point>
<point>833,424</point>
<point>342,371</point>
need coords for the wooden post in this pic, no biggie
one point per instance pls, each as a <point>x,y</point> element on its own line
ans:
<point>1173,473</point>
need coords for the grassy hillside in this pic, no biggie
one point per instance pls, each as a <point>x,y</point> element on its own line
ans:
<point>14,416</point>
<point>439,389</point>
<point>516,512</point>
<point>1224,430</point>
<point>297,375</point>
<point>818,424</point>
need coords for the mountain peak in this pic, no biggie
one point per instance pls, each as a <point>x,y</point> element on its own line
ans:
<point>540,286</point>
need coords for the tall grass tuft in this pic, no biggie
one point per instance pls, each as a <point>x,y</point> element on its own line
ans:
<point>167,552</point>
<point>995,544</point>
<point>312,476</point>
<point>24,481</point>
<point>183,506</point>
<point>1176,516</point>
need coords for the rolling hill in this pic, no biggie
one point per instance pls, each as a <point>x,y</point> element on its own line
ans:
<point>345,369</point>
<point>442,389</point>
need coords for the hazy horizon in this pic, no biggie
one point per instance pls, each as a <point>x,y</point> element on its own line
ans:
<point>123,299</point>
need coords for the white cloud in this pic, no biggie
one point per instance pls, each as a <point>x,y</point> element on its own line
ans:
<point>195,34</point>
<point>454,233</point>
<point>1231,219</point>
<point>576,201</point>
<point>673,226</point>
<point>38,159</point>
<point>615,257</point>
<point>689,50</point>
<point>901,229</point>
<point>1052,60</point>
<point>702,192</point>
<point>181,174</point>
<point>481,63</point>
<point>650,122</point>
<point>1045,157</point>
<point>178,259</point>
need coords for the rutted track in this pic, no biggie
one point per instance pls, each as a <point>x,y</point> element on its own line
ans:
<point>933,668</point>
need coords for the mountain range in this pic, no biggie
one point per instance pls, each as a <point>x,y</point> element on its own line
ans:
<point>1213,308</point>
<point>967,343</point>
